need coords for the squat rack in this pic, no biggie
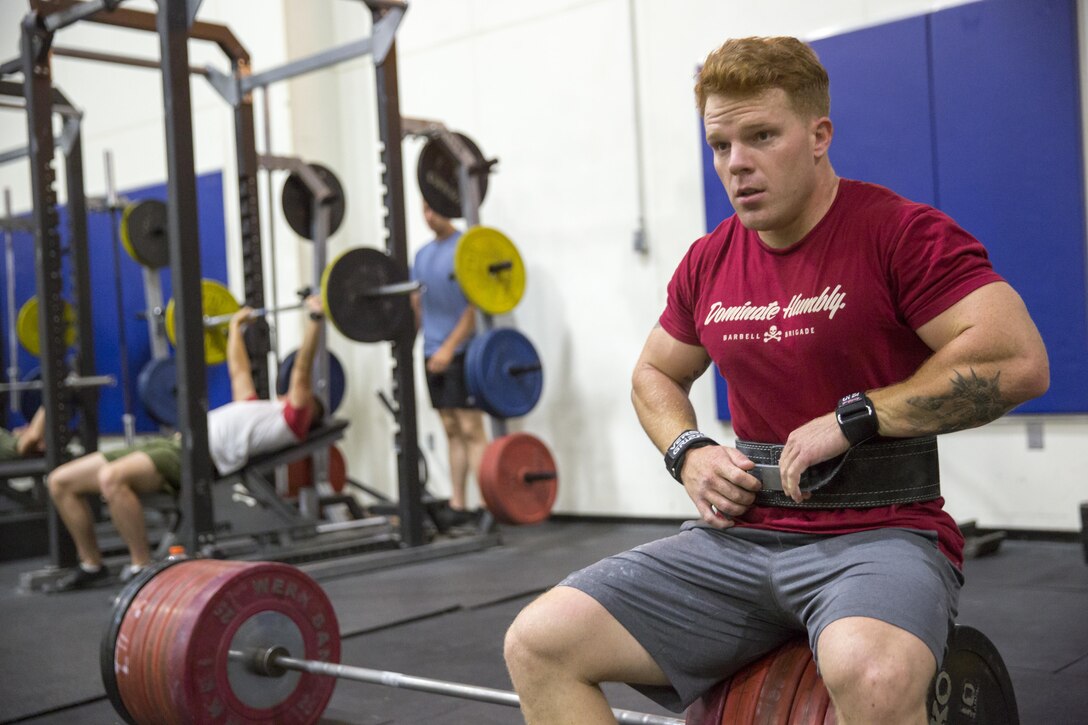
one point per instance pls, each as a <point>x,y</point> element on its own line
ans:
<point>175,24</point>
<point>42,100</point>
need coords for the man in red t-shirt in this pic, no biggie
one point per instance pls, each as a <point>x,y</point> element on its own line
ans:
<point>852,326</point>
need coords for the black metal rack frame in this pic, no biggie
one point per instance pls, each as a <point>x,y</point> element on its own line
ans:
<point>175,24</point>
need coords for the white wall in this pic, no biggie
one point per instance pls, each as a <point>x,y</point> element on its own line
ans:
<point>548,88</point>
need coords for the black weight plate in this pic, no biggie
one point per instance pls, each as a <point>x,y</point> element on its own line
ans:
<point>297,202</point>
<point>348,294</point>
<point>157,385</point>
<point>337,379</point>
<point>436,172</point>
<point>503,373</point>
<point>143,233</point>
<point>973,685</point>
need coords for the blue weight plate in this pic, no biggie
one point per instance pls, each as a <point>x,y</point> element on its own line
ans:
<point>506,373</point>
<point>157,385</point>
<point>337,379</point>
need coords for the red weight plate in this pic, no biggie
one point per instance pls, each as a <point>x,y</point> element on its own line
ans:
<point>518,479</point>
<point>811,702</point>
<point>139,654</point>
<point>740,703</point>
<point>831,717</point>
<point>173,642</point>
<point>783,678</point>
<point>256,588</point>
<point>300,474</point>
<point>707,710</point>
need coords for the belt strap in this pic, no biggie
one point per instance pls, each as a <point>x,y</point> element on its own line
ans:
<point>868,475</point>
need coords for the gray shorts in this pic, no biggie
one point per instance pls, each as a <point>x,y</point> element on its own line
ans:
<point>705,603</point>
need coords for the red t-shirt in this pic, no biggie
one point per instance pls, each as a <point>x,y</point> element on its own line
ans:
<point>794,330</point>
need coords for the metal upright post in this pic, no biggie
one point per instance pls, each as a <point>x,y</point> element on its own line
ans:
<point>404,395</point>
<point>245,145</point>
<point>80,260</point>
<point>196,466</point>
<point>38,89</point>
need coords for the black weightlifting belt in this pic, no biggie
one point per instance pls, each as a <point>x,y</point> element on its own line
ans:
<point>868,475</point>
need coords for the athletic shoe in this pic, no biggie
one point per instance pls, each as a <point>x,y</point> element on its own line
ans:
<point>80,578</point>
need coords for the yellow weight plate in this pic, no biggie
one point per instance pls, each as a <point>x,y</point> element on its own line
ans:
<point>489,269</point>
<point>215,299</point>
<point>26,326</point>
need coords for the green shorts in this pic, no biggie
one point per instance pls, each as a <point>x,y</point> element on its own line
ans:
<point>8,446</point>
<point>165,453</point>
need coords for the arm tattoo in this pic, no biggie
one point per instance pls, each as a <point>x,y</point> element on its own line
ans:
<point>972,401</point>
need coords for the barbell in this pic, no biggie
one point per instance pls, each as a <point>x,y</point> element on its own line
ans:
<point>363,293</point>
<point>205,640</point>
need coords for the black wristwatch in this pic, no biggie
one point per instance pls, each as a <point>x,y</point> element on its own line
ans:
<point>674,455</point>
<point>856,415</point>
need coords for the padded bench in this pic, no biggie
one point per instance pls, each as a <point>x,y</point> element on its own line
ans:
<point>253,479</point>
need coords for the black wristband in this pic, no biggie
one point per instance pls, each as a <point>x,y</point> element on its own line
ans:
<point>856,416</point>
<point>686,441</point>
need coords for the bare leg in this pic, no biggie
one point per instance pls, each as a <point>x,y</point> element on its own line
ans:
<point>458,457</point>
<point>471,424</point>
<point>467,440</point>
<point>875,672</point>
<point>561,647</point>
<point>69,485</point>
<point>121,483</point>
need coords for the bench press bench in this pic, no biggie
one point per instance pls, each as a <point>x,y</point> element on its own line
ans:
<point>246,503</point>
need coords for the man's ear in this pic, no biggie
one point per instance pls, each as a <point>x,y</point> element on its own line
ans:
<point>822,131</point>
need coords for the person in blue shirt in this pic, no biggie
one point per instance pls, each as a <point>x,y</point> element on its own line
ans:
<point>448,322</point>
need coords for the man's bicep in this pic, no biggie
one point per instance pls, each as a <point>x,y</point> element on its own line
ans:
<point>676,360</point>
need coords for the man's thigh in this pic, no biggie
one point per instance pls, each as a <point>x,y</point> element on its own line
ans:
<point>897,576</point>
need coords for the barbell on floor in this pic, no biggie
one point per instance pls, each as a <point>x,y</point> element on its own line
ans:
<point>205,640</point>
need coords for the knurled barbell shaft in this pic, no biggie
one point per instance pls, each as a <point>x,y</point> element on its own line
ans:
<point>71,381</point>
<point>266,662</point>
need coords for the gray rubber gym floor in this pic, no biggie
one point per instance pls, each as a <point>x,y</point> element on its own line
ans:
<point>445,619</point>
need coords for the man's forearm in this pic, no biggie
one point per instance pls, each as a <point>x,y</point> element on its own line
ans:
<point>662,405</point>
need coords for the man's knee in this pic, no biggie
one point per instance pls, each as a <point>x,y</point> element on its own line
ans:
<point>111,480</point>
<point>886,668</point>
<point>541,633</point>
<point>62,481</point>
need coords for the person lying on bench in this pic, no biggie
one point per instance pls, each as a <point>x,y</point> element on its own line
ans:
<point>26,441</point>
<point>245,427</point>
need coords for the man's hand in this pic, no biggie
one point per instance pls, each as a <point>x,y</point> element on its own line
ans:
<point>817,441</point>
<point>314,306</point>
<point>440,361</point>
<point>241,317</point>
<point>717,476</point>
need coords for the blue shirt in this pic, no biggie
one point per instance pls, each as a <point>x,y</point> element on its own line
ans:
<point>442,300</point>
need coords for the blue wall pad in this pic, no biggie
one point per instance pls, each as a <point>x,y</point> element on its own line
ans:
<point>976,110</point>
<point>102,246</point>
